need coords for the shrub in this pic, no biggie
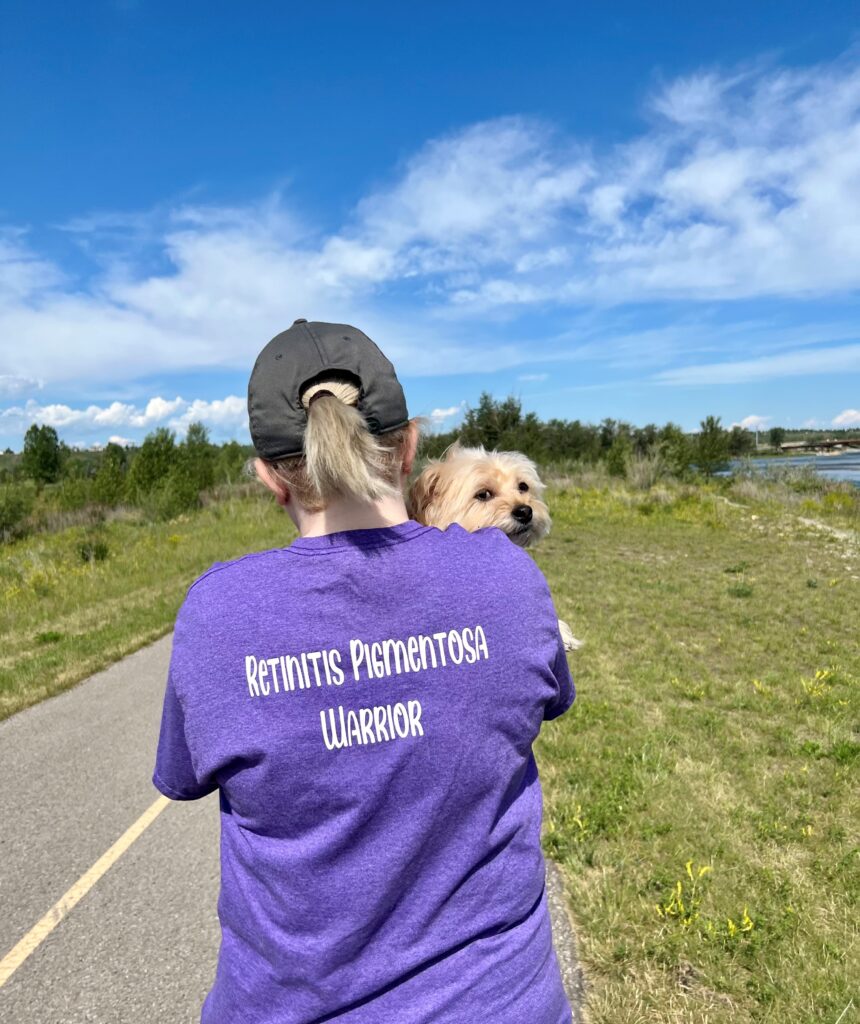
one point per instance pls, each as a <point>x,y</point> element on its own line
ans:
<point>620,452</point>
<point>93,549</point>
<point>16,503</point>
<point>109,482</point>
<point>643,471</point>
<point>176,494</point>
<point>151,465</point>
<point>72,493</point>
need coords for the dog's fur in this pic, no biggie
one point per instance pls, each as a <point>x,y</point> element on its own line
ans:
<point>477,488</point>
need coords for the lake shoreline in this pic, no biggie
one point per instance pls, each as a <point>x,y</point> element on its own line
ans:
<point>844,466</point>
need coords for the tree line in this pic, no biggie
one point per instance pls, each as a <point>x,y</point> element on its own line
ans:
<point>504,426</point>
<point>165,477</point>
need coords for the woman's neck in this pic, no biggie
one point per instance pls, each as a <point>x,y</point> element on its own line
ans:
<point>347,514</point>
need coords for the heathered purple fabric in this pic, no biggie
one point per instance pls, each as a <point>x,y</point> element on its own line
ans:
<point>395,879</point>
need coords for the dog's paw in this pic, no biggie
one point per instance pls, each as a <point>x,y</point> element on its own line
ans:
<point>569,640</point>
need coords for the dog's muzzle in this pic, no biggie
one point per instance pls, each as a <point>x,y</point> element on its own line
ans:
<point>522,514</point>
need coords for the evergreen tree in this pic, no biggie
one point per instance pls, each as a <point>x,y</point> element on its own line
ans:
<point>492,422</point>
<point>228,463</point>
<point>109,483</point>
<point>42,458</point>
<point>740,441</point>
<point>618,455</point>
<point>151,465</point>
<point>583,441</point>
<point>712,446</point>
<point>676,448</point>
<point>199,456</point>
<point>776,435</point>
<point>179,491</point>
<point>528,438</point>
<point>607,432</point>
<point>645,439</point>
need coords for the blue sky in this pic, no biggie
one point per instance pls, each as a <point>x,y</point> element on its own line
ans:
<point>620,210</point>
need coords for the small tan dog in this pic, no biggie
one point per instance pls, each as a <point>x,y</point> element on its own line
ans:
<point>477,488</point>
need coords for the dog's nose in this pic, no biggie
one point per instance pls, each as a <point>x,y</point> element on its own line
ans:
<point>522,513</point>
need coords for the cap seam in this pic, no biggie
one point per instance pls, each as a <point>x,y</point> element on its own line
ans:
<point>315,340</point>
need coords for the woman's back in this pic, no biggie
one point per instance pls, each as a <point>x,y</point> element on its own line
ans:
<point>367,701</point>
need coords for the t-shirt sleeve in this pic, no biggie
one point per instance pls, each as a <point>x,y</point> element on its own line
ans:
<point>548,634</point>
<point>175,775</point>
<point>564,683</point>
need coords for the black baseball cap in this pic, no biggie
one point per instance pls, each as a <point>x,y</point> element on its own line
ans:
<point>304,354</point>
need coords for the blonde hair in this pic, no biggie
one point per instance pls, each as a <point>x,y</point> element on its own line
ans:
<point>341,456</point>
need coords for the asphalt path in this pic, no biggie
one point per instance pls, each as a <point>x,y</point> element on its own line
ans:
<point>137,876</point>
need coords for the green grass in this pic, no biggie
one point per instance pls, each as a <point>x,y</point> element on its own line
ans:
<point>715,726</point>
<point>79,599</point>
<point>713,743</point>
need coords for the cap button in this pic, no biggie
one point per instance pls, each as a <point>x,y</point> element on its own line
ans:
<point>301,320</point>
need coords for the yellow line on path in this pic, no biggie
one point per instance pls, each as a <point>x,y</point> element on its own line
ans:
<point>42,929</point>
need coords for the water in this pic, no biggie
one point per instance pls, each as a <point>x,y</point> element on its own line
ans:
<point>845,466</point>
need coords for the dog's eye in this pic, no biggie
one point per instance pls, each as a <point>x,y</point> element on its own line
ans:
<point>524,487</point>
<point>484,495</point>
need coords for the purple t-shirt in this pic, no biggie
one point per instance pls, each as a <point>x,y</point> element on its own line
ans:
<point>365,703</point>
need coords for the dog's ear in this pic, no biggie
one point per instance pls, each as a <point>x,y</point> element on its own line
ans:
<point>422,491</point>
<point>453,450</point>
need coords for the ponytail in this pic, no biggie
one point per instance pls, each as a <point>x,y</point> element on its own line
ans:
<point>341,456</point>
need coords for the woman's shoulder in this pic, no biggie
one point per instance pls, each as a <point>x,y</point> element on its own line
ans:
<point>227,572</point>
<point>490,543</point>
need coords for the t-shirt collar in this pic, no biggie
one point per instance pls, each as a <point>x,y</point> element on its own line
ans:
<point>370,537</point>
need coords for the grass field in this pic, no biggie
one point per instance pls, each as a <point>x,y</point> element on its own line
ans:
<point>76,600</point>
<point>701,793</point>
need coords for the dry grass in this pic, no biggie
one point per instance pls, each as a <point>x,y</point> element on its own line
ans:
<point>715,722</point>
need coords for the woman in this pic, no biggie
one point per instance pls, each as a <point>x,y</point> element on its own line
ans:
<point>365,701</point>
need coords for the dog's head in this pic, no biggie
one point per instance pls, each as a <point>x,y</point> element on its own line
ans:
<point>475,488</point>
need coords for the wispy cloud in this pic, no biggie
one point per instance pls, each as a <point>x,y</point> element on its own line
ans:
<point>847,418</point>
<point>840,359</point>
<point>742,185</point>
<point>11,385</point>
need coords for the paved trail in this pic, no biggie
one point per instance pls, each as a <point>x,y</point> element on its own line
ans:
<point>138,938</point>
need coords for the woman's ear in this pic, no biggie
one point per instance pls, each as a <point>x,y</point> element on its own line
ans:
<point>276,486</point>
<point>410,449</point>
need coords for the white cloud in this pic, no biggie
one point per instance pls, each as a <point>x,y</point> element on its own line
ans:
<point>742,185</point>
<point>228,414</point>
<point>841,359</point>
<point>22,273</point>
<point>847,418</point>
<point>226,417</point>
<point>753,422</point>
<point>12,385</point>
<point>475,196</point>
<point>438,416</point>
<point>533,376</point>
